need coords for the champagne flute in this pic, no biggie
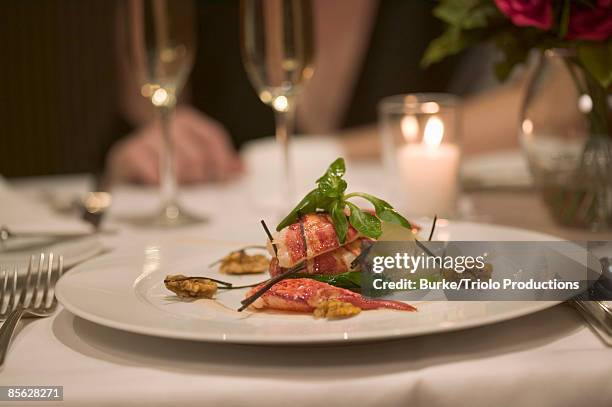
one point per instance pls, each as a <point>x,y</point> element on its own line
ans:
<point>276,41</point>
<point>160,40</point>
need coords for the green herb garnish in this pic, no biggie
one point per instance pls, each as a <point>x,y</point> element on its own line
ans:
<point>329,196</point>
<point>350,280</point>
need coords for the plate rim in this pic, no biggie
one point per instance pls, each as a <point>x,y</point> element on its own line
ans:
<point>321,338</point>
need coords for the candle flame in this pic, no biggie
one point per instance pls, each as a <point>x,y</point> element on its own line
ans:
<point>410,128</point>
<point>434,132</point>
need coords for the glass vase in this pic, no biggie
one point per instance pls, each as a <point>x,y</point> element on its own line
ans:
<point>565,130</point>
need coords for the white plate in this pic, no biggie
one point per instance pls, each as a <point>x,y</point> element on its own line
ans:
<point>124,290</point>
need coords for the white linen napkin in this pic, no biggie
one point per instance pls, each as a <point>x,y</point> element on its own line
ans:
<point>21,214</point>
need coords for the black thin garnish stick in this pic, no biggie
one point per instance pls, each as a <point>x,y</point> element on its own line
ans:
<point>263,223</point>
<point>248,301</point>
<point>433,227</point>
<point>225,283</point>
<point>361,256</point>
<point>274,280</point>
<point>365,252</point>
<point>236,287</point>
<point>425,249</point>
<point>239,250</point>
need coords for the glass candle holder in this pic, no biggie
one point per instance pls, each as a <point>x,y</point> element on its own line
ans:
<point>421,153</point>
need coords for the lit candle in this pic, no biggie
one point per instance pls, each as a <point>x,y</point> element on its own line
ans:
<point>428,170</point>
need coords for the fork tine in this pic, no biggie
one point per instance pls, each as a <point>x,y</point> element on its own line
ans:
<point>13,298</point>
<point>30,286</point>
<point>45,301</point>
<point>37,294</point>
<point>38,291</point>
<point>23,293</point>
<point>60,270</point>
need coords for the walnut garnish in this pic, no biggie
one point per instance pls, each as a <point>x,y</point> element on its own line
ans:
<point>334,309</point>
<point>190,287</point>
<point>239,262</point>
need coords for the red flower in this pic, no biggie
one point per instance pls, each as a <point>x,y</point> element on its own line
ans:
<point>528,13</point>
<point>591,23</point>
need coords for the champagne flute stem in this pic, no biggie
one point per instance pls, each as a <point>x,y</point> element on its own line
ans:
<point>167,175</point>
<point>284,129</point>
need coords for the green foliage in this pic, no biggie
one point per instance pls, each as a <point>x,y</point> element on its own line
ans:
<point>466,14</point>
<point>451,42</point>
<point>366,223</point>
<point>350,280</point>
<point>329,196</point>
<point>383,209</point>
<point>470,22</point>
<point>564,19</point>
<point>339,219</point>
<point>466,21</point>
<point>596,58</point>
<point>513,51</point>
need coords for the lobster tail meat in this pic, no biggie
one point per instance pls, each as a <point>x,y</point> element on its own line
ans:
<point>305,294</point>
<point>337,261</point>
<point>311,236</point>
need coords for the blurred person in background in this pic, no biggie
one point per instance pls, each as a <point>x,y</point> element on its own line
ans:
<point>365,50</point>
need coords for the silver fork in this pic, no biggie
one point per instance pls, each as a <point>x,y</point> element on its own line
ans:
<point>35,297</point>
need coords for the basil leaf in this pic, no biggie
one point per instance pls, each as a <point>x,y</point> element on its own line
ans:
<point>377,202</point>
<point>350,280</point>
<point>335,169</point>
<point>332,187</point>
<point>340,220</point>
<point>392,216</point>
<point>365,223</point>
<point>331,183</point>
<point>384,210</point>
<point>308,204</point>
<point>329,197</point>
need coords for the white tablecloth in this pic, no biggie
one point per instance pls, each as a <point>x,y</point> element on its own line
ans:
<point>546,359</point>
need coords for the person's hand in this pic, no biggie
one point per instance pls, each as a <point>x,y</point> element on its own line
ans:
<point>202,151</point>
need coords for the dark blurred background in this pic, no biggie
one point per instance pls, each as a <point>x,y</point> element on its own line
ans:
<point>59,106</point>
